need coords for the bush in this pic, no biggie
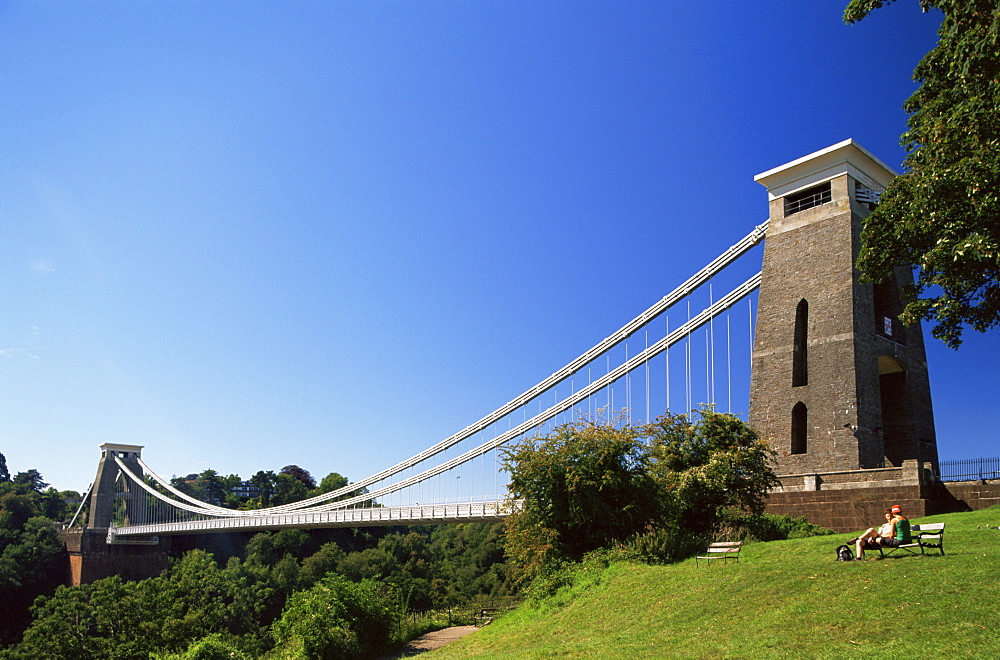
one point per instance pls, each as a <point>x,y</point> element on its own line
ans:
<point>662,546</point>
<point>765,527</point>
<point>214,647</point>
<point>591,485</point>
<point>336,619</point>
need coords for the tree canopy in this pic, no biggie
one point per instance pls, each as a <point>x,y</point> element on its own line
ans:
<point>943,214</point>
<point>590,484</point>
<point>31,554</point>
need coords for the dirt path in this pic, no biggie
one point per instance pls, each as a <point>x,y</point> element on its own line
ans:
<point>433,640</point>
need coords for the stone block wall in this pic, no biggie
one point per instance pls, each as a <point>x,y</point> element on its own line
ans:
<point>849,510</point>
<point>91,558</point>
<point>853,500</point>
<point>974,495</point>
<point>809,256</point>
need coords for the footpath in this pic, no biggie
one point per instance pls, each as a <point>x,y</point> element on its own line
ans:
<point>432,640</point>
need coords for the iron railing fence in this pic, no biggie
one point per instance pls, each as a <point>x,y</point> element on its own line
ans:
<point>977,469</point>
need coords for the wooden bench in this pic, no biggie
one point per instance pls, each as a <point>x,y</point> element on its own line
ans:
<point>927,535</point>
<point>485,616</point>
<point>724,550</point>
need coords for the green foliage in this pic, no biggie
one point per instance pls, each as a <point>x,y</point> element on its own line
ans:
<point>559,582</point>
<point>197,608</point>
<point>707,466</point>
<point>467,560</point>
<point>331,482</point>
<point>288,489</point>
<point>32,558</point>
<point>336,618</point>
<point>30,478</point>
<point>317,565</point>
<point>766,527</point>
<point>265,481</point>
<point>214,647</point>
<point>591,485</point>
<point>584,486</point>
<point>299,474</point>
<point>663,545</point>
<point>115,619</point>
<point>943,214</point>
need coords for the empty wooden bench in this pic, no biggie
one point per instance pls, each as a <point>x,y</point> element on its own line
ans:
<point>724,550</point>
<point>927,535</point>
<point>486,616</point>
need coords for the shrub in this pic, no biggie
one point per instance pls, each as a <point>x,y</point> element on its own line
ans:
<point>336,619</point>
<point>213,647</point>
<point>765,527</point>
<point>662,546</point>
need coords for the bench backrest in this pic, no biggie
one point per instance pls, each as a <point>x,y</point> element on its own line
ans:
<point>731,547</point>
<point>935,528</point>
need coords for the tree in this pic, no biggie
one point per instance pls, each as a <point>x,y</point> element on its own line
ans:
<point>31,555</point>
<point>707,466</point>
<point>211,487</point>
<point>265,481</point>
<point>331,482</point>
<point>942,215</point>
<point>582,487</point>
<point>301,474</point>
<point>589,484</point>
<point>288,489</point>
<point>336,619</point>
<point>4,472</point>
<point>30,478</point>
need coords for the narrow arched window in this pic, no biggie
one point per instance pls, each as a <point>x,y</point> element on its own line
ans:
<point>800,369</point>
<point>799,428</point>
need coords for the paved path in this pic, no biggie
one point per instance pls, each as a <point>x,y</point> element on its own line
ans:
<point>434,640</point>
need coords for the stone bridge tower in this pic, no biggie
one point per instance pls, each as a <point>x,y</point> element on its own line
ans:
<point>102,495</point>
<point>91,556</point>
<point>838,383</point>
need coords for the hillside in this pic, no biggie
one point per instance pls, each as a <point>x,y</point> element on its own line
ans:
<point>783,599</point>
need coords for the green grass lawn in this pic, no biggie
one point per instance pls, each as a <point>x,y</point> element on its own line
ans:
<point>783,599</point>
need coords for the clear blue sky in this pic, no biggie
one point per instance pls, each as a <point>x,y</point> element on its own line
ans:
<point>249,234</point>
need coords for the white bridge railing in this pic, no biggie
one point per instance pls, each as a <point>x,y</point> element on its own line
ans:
<point>377,516</point>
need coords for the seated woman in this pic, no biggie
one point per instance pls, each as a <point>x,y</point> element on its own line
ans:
<point>900,530</point>
<point>871,538</point>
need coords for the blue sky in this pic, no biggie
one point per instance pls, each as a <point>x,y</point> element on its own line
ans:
<point>246,235</point>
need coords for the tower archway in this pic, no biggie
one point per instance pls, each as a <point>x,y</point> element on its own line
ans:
<point>896,414</point>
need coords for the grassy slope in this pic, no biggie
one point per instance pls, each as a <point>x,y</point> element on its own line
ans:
<point>783,599</point>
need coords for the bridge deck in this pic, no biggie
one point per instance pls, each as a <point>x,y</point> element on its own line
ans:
<point>380,516</point>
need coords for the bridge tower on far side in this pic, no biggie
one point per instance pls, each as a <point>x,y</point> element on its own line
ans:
<point>91,556</point>
<point>838,383</point>
<point>102,495</point>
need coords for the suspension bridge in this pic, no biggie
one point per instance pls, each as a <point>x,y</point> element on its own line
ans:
<point>459,478</point>
<point>695,346</point>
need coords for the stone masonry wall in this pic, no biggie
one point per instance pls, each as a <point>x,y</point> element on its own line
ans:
<point>974,495</point>
<point>808,256</point>
<point>91,558</point>
<point>848,510</point>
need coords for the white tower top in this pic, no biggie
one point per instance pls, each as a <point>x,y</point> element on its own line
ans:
<point>847,157</point>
